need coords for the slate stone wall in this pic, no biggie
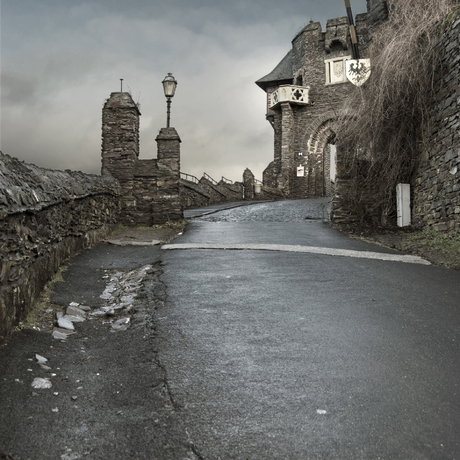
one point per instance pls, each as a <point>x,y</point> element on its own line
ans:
<point>308,129</point>
<point>205,192</point>
<point>150,188</point>
<point>120,148</point>
<point>377,12</point>
<point>436,187</point>
<point>46,217</point>
<point>192,195</point>
<point>248,184</point>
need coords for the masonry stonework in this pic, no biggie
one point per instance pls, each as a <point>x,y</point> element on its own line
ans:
<point>150,188</point>
<point>46,217</point>
<point>304,130</point>
<point>436,186</point>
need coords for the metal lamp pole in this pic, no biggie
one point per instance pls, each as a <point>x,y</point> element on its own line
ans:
<point>169,87</point>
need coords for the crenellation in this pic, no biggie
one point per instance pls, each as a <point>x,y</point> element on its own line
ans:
<point>306,129</point>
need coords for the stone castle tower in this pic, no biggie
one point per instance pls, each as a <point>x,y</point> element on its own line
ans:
<point>304,93</point>
<point>150,188</point>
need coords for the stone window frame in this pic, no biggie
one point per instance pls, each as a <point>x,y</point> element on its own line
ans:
<point>328,68</point>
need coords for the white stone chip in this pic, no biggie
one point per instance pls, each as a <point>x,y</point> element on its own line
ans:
<point>41,359</point>
<point>74,318</point>
<point>61,334</point>
<point>121,324</point>
<point>41,384</point>
<point>65,324</point>
<point>75,311</point>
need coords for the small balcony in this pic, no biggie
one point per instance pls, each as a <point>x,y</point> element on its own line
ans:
<point>289,93</point>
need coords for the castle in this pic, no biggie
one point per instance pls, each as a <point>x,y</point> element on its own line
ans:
<point>304,93</point>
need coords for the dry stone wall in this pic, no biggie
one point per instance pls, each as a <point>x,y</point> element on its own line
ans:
<point>150,188</point>
<point>205,192</point>
<point>46,217</point>
<point>436,195</point>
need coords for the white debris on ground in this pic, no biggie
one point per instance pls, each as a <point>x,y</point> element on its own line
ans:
<point>119,296</point>
<point>41,383</point>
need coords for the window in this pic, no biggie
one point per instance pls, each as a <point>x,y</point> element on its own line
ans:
<point>335,70</point>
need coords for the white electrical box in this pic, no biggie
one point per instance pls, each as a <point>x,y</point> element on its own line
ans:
<point>403,204</point>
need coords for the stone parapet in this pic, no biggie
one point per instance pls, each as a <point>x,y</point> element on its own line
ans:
<point>46,217</point>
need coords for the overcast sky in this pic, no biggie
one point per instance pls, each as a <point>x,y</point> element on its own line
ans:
<point>60,60</point>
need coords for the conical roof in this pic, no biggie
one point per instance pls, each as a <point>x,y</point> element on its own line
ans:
<point>282,73</point>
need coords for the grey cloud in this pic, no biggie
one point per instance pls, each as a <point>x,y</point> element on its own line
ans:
<point>62,58</point>
<point>18,88</point>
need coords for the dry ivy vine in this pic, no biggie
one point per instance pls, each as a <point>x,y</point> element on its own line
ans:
<point>382,125</point>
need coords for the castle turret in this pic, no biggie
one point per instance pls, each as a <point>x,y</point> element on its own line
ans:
<point>120,146</point>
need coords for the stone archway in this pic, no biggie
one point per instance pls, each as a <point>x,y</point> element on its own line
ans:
<point>317,143</point>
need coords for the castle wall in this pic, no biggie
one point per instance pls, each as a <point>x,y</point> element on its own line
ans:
<point>150,188</point>
<point>302,132</point>
<point>120,148</point>
<point>46,217</point>
<point>436,187</point>
<point>377,12</point>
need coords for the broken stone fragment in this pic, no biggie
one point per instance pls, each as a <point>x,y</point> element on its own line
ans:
<point>75,311</point>
<point>41,384</point>
<point>61,334</point>
<point>65,323</point>
<point>74,318</point>
<point>84,308</point>
<point>41,359</point>
<point>121,324</point>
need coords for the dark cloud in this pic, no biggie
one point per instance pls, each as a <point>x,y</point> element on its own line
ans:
<point>62,58</point>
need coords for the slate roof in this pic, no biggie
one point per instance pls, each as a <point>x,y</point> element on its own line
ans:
<point>281,73</point>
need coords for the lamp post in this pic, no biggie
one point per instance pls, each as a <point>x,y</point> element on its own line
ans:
<point>169,87</point>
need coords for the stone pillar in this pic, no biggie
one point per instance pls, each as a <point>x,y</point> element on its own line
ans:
<point>248,184</point>
<point>120,147</point>
<point>287,120</point>
<point>167,205</point>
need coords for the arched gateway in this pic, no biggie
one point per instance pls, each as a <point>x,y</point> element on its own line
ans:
<point>305,92</point>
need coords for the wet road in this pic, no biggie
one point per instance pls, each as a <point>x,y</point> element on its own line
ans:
<point>294,355</point>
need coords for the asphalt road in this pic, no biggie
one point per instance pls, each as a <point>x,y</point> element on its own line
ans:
<point>290,355</point>
<point>293,342</point>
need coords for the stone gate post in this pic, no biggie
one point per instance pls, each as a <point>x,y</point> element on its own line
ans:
<point>167,205</point>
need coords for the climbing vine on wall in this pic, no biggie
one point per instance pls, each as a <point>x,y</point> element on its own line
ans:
<point>382,123</point>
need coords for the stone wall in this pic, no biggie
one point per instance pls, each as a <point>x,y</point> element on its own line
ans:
<point>377,12</point>
<point>150,188</point>
<point>436,187</point>
<point>46,216</point>
<point>120,148</point>
<point>302,132</point>
<point>207,192</point>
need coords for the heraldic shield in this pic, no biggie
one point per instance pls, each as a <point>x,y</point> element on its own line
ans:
<point>358,70</point>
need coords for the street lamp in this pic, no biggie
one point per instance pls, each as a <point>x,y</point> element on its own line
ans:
<point>169,87</point>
